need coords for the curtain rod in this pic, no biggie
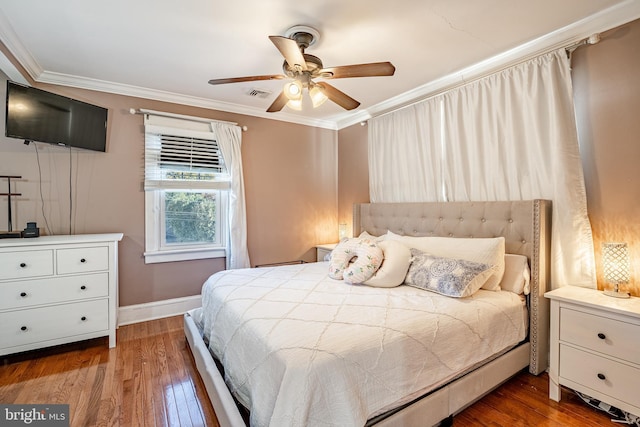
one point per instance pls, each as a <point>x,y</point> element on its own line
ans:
<point>592,39</point>
<point>181,116</point>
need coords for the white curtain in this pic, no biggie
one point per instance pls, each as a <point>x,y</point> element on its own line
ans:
<point>512,136</point>
<point>405,155</point>
<point>229,138</point>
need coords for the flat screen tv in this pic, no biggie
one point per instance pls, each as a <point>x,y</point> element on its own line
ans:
<point>37,115</point>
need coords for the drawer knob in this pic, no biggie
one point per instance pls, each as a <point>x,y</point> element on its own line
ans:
<point>23,294</point>
<point>601,336</point>
<point>24,328</point>
<point>83,260</point>
<point>83,287</point>
<point>602,377</point>
<point>23,265</point>
<point>83,318</point>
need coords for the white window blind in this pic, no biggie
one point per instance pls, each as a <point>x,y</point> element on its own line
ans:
<point>182,158</point>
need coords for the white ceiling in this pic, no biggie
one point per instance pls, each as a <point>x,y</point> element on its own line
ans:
<point>168,49</point>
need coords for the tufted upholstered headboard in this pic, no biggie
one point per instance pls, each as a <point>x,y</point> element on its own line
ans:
<point>525,225</point>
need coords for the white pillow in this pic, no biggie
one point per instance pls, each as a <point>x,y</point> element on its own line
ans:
<point>481,250</point>
<point>516,274</point>
<point>395,265</point>
<point>447,276</point>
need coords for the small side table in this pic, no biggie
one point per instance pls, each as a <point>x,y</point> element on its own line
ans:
<point>595,346</point>
<point>323,250</point>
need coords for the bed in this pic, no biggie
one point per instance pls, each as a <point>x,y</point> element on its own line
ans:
<point>465,377</point>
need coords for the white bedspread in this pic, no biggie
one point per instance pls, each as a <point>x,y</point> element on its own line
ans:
<point>301,349</point>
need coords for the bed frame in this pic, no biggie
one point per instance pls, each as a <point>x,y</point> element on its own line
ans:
<point>526,226</point>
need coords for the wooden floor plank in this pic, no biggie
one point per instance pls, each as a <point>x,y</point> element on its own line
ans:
<point>150,379</point>
<point>525,398</point>
<point>155,382</point>
<point>84,411</point>
<point>110,394</point>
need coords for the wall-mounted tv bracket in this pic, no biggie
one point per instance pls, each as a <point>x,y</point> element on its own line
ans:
<point>9,194</point>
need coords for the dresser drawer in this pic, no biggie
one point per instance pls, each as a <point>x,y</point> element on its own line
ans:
<point>608,336</point>
<point>26,293</point>
<point>83,260</point>
<point>618,380</point>
<point>24,264</point>
<point>53,322</point>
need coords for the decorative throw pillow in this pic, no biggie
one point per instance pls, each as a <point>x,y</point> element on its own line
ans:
<point>446,276</point>
<point>355,260</point>
<point>394,267</point>
<point>516,274</point>
<point>481,250</point>
<point>377,239</point>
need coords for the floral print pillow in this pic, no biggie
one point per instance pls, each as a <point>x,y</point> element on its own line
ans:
<point>355,260</point>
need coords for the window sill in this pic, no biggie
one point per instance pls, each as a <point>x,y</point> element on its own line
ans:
<point>183,255</point>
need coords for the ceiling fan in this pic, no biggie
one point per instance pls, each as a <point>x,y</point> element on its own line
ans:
<point>302,68</point>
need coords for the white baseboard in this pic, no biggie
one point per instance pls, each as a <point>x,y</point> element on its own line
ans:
<point>156,310</point>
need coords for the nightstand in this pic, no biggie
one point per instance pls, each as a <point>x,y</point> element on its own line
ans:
<point>595,346</point>
<point>324,250</point>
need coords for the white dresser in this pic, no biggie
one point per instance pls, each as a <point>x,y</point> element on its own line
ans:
<point>595,346</point>
<point>57,289</point>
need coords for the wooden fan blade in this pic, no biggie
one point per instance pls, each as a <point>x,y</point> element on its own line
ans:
<point>246,79</point>
<point>337,96</point>
<point>279,103</point>
<point>373,69</point>
<point>291,52</point>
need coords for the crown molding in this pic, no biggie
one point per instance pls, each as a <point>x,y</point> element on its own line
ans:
<point>160,95</point>
<point>11,41</point>
<point>607,19</point>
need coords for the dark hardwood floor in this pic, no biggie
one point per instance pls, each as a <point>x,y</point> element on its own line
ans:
<point>149,379</point>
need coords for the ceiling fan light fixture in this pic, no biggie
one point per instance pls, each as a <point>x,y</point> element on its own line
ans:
<point>317,96</point>
<point>303,68</point>
<point>295,104</point>
<point>293,90</point>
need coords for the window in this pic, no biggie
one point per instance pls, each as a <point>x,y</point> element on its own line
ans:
<point>186,191</point>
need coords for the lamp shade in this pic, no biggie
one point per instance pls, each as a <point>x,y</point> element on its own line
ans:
<point>615,260</point>
<point>317,96</point>
<point>295,104</point>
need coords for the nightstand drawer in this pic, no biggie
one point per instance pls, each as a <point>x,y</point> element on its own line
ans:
<point>604,375</point>
<point>53,322</point>
<point>24,264</point>
<point>83,260</point>
<point>26,293</point>
<point>601,334</point>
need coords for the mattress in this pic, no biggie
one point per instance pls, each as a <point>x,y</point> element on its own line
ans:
<point>301,349</point>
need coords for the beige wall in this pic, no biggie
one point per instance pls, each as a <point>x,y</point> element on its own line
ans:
<point>353,171</point>
<point>606,79</point>
<point>290,182</point>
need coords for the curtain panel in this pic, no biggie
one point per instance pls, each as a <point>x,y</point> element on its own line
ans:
<point>405,154</point>
<point>229,139</point>
<point>509,136</point>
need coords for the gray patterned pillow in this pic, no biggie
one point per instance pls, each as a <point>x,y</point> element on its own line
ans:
<point>446,276</point>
